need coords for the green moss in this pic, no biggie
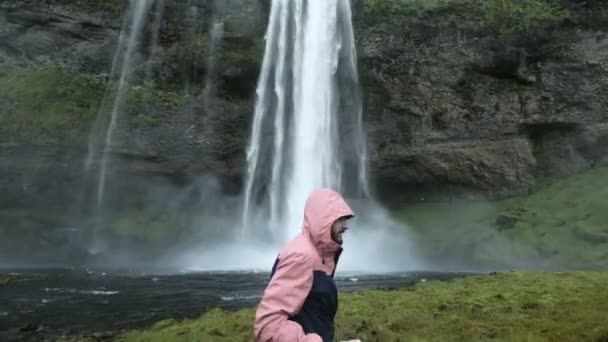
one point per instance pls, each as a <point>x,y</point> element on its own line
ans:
<point>41,216</point>
<point>6,279</point>
<point>51,106</point>
<point>499,17</point>
<point>142,120</point>
<point>142,225</point>
<point>216,325</point>
<point>47,106</point>
<point>160,228</point>
<point>561,225</point>
<point>235,50</point>
<point>505,307</point>
<point>149,107</point>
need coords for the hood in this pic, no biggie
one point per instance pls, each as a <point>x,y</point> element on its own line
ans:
<point>323,208</point>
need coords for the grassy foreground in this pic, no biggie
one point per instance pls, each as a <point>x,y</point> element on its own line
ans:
<point>505,307</point>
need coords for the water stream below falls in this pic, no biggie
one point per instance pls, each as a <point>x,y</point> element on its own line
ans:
<point>57,302</point>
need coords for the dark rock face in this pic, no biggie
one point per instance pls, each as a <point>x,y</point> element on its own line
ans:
<point>40,34</point>
<point>477,112</point>
<point>477,169</point>
<point>38,177</point>
<point>451,111</point>
<point>505,222</point>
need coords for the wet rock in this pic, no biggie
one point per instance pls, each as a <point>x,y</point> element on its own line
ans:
<point>457,170</point>
<point>531,306</point>
<point>591,236</point>
<point>505,222</point>
<point>102,336</point>
<point>30,328</point>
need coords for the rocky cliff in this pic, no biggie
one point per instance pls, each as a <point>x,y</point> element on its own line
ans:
<point>483,99</point>
<point>463,99</point>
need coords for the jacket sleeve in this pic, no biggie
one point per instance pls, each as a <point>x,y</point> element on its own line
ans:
<point>283,298</point>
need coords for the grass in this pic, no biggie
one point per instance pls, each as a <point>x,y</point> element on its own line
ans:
<point>47,106</point>
<point>561,225</point>
<point>160,105</point>
<point>516,306</point>
<point>6,279</point>
<point>30,214</point>
<point>139,224</point>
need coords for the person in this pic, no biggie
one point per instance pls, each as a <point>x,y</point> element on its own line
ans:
<point>301,299</point>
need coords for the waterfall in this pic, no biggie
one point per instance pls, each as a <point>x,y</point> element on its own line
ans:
<point>308,116</point>
<point>215,37</point>
<point>216,34</point>
<point>134,66</point>
<point>122,65</point>
<point>100,146</point>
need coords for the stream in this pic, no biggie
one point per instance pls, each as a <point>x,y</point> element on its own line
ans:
<point>51,303</point>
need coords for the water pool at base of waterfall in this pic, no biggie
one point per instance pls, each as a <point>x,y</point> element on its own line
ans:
<point>50,303</point>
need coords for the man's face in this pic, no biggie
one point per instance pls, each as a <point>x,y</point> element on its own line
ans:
<point>337,229</point>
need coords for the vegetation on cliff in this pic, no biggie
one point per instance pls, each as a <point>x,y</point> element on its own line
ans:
<point>502,307</point>
<point>50,106</point>
<point>47,106</point>
<point>560,226</point>
<point>499,17</point>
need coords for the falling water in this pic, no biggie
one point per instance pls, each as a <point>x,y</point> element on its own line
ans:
<point>193,26</point>
<point>310,58</point>
<point>140,8</point>
<point>122,67</point>
<point>155,49</point>
<point>216,34</point>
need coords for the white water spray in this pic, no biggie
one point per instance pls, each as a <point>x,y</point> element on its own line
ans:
<point>309,45</point>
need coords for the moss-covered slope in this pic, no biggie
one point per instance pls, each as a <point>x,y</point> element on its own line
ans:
<point>561,225</point>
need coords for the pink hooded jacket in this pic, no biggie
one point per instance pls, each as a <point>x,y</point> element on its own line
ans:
<point>312,250</point>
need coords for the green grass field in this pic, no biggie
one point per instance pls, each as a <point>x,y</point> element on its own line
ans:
<point>516,306</point>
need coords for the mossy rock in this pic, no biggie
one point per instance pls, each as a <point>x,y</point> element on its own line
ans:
<point>6,279</point>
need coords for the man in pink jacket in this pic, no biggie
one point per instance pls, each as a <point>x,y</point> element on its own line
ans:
<point>301,299</point>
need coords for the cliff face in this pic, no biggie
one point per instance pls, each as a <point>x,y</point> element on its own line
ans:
<point>462,99</point>
<point>466,99</point>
